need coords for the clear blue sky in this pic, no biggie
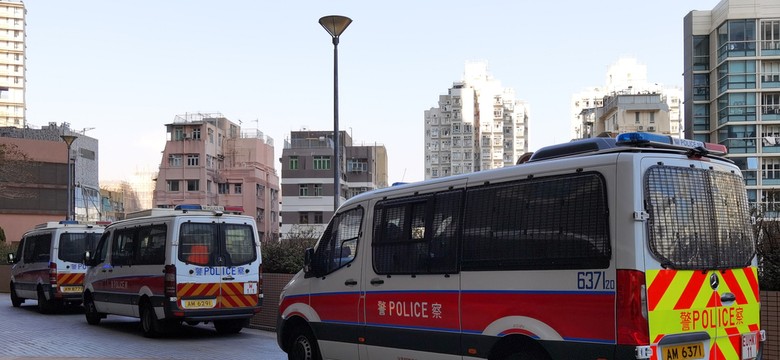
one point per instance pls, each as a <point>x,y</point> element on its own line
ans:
<point>126,68</point>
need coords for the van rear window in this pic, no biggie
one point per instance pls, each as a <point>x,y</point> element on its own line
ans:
<point>699,219</point>
<point>211,244</point>
<point>73,245</point>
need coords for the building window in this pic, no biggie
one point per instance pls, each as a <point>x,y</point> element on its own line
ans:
<point>303,218</point>
<point>193,160</point>
<point>196,134</point>
<point>237,188</point>
<point>652,118</point>
<point>211,136</point>
<point>318,218</point>
<point>321,162</point>
<point>223,188</point>
<point>303,190</point>
<point>357,165</point>
<point>172,185</point>
<point>636,117</point>
<point>701,52</point>
<point>193,185</point>
<point>208,186</point>
<point>178,134</point>
<point>770,168</point>
<point>317,189</point>
<point>293,163</point>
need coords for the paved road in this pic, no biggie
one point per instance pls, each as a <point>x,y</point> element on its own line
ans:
<point>26,334</point>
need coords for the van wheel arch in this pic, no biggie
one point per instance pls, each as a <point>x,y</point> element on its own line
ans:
<point>518,347</point>
<point>294,326</point>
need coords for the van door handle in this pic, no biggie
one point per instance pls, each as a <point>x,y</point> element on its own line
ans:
<point>377,281</point>
<point>228,278</point>
<point>727,297</point>
<point>350,282</point>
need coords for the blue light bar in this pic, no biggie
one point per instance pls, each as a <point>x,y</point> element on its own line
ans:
<point>69,222</point>
<point>638,138</point>
<point>188,207</point>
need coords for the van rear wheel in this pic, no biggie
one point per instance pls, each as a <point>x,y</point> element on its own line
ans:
<point>16,301</point>
<point>304,346</point>
<point>151,326</point>
<point>44,306</point>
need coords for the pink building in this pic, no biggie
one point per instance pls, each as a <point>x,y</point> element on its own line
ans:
<point>208,160</point>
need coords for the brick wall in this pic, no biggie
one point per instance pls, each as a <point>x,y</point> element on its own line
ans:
<point>272,287</point>
<point>770,321</point>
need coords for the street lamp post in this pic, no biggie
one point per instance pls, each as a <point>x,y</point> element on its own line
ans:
<point>335,25</point>
<point>69,141</point>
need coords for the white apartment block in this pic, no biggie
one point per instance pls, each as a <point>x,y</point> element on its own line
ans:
<point>478,125</point>
<point>625,77</point>
<point>12,63</point>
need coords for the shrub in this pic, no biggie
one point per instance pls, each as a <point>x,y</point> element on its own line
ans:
<point>286,256</point>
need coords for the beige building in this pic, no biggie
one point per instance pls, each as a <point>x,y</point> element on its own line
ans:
<point>629,112</point>
<point>732,90</point>
<point>209,160</point>
<point>12,63</point>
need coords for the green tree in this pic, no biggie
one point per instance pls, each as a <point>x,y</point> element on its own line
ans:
<point>767,233</point>
<point>286,256</point>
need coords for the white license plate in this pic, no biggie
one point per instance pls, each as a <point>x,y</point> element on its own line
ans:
<point>70,289</point>
<point>250,288</point>
<point>199,304</point>
<point>749,346</point>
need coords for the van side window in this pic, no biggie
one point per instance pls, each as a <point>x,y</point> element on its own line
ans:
<point>151,245</point>
<point>37,248</point>
<point>122,247</point>
<point>558,222</point>
<point>417,235</point>
<point>339,242</point>
<point>102,248</point>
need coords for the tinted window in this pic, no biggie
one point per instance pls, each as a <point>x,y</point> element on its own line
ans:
<point>338,245</point>
<point>547,223</point>
<point>37,248</point>
<point>211,244</point>
<point>122,247</point>
<point>239,244</point>
<point>73,245</point>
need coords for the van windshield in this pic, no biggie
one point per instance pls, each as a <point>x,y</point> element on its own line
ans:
<point>73,245</point>
<point>217,244</point>
<point>699,219</point>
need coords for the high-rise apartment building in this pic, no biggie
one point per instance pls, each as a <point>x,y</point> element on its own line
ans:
<point>635,104</point>
<point>12,63</point>
<point>732,89</point>
<point>478,125</point>
<point>209,160</point>
<point>307,178</point>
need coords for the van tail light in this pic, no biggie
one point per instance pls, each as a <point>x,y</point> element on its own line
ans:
<point>53,274</point>
<point>260,285</point>
<point>170,280</point>
<point>632,325</point>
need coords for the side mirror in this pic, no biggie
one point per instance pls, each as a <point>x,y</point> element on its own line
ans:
<point>11,258</point>
<point>87,260</point>
<point>307,256</point>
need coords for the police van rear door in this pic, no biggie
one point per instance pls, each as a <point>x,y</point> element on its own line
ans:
<point>702,288</point>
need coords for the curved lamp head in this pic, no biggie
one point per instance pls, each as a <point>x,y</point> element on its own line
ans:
<point>335,25</point>
<point>68,139</point>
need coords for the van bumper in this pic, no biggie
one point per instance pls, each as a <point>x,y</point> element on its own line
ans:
<point>211,314</point>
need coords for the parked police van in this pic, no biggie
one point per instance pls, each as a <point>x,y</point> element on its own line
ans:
<point>638,247</point>
<point>167,266</point>
<point>47,266</point>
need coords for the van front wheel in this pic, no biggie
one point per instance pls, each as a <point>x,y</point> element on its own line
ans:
<point>90,311</point>
<point>304,347</point>
<point>16,301</point>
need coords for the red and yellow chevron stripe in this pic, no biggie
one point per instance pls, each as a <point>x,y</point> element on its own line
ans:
<point>682,301</point>
<point>70,279</point>
<point>228,295</point>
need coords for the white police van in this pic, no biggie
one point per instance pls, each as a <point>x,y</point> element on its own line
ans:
<point>167,266</point>
<point>639,247</point>
<point>47,266</point>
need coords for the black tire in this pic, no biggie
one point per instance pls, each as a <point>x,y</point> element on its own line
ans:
<point>44,306</point>
<point>150,325</point>
<point>16,301</point>
<point>304,346</point>
<point>230,326</point>
<point>90,311</point>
